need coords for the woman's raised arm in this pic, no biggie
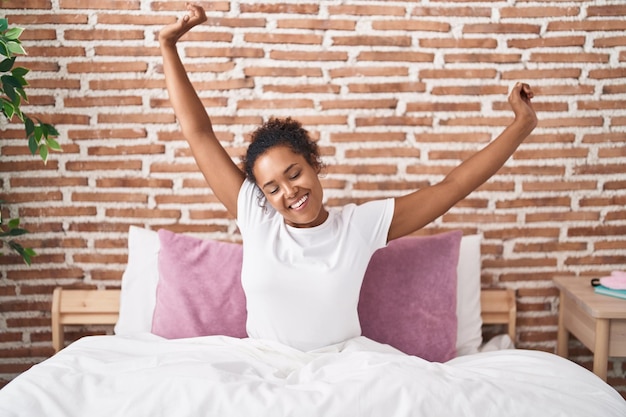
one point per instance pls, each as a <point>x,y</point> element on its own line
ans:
<point>416,210</point>
<point>222,174</point>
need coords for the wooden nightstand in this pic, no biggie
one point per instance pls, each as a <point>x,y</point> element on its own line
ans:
<point>598,321</point>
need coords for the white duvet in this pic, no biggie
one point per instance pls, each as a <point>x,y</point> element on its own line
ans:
<point>220,376</point>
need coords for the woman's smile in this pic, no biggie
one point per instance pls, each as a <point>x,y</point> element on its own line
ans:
<point>298,204</point>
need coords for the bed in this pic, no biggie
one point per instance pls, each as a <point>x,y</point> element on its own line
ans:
<point>169,356</point>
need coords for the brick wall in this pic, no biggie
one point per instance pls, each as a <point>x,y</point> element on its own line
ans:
<point>398,93</point>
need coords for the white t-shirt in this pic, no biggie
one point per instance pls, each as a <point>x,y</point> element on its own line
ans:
<point>302,285</point>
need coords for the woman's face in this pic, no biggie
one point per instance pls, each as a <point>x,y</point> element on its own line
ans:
<point>291,186</point>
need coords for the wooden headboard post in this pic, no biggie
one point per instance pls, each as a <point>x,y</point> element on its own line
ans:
<point>82,307</point>
<point>498,306</point>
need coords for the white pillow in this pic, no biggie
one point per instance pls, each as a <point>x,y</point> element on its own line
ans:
<point>139,282</point>
<point>141,277</point>
<point>469,330</point>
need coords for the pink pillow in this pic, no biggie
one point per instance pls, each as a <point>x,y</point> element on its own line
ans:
<point>199,291</point>
<point>408,298</point>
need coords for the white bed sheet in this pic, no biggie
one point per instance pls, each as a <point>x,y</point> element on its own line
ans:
<point>221,376</point>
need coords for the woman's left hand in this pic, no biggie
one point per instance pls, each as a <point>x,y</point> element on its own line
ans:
<point>520,100</point>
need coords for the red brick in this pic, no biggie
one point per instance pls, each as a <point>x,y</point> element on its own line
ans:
<point>38,35</point>
<point>32,4</point>
<point>225,52</point>
<point>359,104</point>
<point>501,28</point>
<point>303,89</point>
<point>552,42</point>
<point>143,213</point>
<point>542,57</point>
<point>180,5</point>
<point>280,8</point>
<point>542,11</point>
<point>281,39</point>
<point>399,87</point>
<point>367,10</point>
<point>541,74</point>
<point>106,67</point>
<point>609,42</point>
<point>485,43</point>
<point>380,152</point>
<point>102,101</point>
<point>282,72</point>
<point>134,51</point>
<point>388,186</point>
<point>372,169</point>
<point>208,214</point>
<point>276,104</point>
<point>59,51</point>
<point>129,182</point>
<point>101,4</point>
<point>459,73</point>
<point>360,137</point>
<point>236,22</point>
<point>127,150</point>
<point>308,56</point>
<point>411,25</point>
<point>469,11</point>
<point>103,34</point>
<point>487,58</point>
<point>109,197</point>
<point>58,212</point>
<point>316,24</point>
<point>393,121</point>
<point>442,107</point>
<point>364,40</point>
<point>405,56</point>
<point>587,25</point>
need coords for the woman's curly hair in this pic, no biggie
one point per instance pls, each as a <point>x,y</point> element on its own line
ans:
<point>281,132</point>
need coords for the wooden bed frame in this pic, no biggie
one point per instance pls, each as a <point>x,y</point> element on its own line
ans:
<point>86,307</point>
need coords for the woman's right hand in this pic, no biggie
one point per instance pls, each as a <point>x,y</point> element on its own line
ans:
<point>170,34</point>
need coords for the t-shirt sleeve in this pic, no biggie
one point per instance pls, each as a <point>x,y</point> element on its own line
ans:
<point>252,207</point>
<point>374,220</point>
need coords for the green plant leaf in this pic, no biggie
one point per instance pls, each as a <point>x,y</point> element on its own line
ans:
<point>38,133</point>
<point>29,126</point>
<point>22,93</point>
<point>22,82</point>
<point>4,49</point>
<point>29,253</point>
<point>32,145</point>
<point>14,33</point>
<point>11,80</point>
<point>9,90</point>
<point>13,223</point>
<point>20,72</point>
<point>8,109</point>
<point>43,152</point>
<point>16,48</point>
<point>4,24</point>
<point>25,253</point>
<point>52,131</point>
<point>54,145</point>
<point>17,232</point>
<point>7,64</point>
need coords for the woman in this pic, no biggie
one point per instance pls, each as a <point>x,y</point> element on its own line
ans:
<point>304,264</point>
